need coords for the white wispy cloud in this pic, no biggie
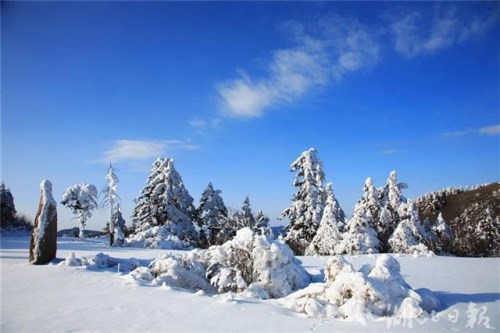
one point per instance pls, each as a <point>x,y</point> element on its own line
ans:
<point>204,124</point>
<point>122,150</point>
<point>337,47</point>
<point>490,130</point>
<point>388,152</point>
<point>487,130</point>
<point>418,33</point>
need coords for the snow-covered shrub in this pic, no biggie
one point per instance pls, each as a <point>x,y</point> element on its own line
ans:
<point>267,267</point>
<point>360,295</point>
<point>181,272</point>
<point>249,263</point>
<point>159,237</point>
<point>101,261</point>
<point>98,261</point>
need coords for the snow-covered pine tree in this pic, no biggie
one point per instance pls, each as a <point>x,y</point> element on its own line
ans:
<point>109,198</point>
<point>328,236</point>
<point>307,204</point>
<point>391,200</point>
<point>442,235</point>
<point>248,220</point>
<point>164,201</point>
<point>392,195</point>
<point>7,207</point>
<point>372,202</point>
<point>119,227</point>
<point>408,237</point>
<point>487,235</point>
<point>262,224</point>
<point>213,216</point>
<point>82,200</point>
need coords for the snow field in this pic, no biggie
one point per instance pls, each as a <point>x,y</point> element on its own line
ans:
<point>59,298</point>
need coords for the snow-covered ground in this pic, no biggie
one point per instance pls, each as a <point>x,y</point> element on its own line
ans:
<point>61,298</point>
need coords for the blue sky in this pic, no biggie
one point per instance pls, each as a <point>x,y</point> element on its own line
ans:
<point>236,91</point>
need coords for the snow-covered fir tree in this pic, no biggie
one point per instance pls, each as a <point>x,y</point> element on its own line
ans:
<point>360,236</point>
<point>487,235</point>
<point>391,200</point>
<point>371,200</point>
<point>328,236</point>
<point>308,203</point>
<point>82,200</point>
<point>7,207</point>
<point>393,191</point>
<point>213,217</point>
<point>408,237</point>
<point>164,201</point>
<point>110,197</point>
<point>247,218</point>
<point>441,235</point>
<point>119,227</point>
<point>262,224</point>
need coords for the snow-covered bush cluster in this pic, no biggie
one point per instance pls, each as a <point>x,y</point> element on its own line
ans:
<point>158,237</point>
<point>251,264</point>
<point>361,295</point>
<point>101,261</point>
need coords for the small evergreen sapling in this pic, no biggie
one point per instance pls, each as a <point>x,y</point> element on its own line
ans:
<point>109,198</point>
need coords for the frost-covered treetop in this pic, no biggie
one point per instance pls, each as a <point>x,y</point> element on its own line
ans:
<point>80,197</point>
<point>370,193</point>
<point>309,169</point>
<point>112,183</point>
<point>334,205</point>
<point>394,196</point>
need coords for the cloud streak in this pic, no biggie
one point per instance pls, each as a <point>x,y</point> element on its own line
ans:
<point>126,150</point>
<point>488,130</point>
<point>388,152</point>
<point>419,33</point>
<point>337,47</point>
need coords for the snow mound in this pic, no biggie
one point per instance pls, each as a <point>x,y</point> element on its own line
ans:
<point>101,261</point>
<point>159,237</point>
<point>362,295</point>
<point>250,264</point>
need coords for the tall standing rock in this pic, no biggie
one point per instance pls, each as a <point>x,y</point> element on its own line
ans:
<point>44,237</point>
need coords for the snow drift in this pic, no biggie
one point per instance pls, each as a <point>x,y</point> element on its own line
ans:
<point>361,295</point>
